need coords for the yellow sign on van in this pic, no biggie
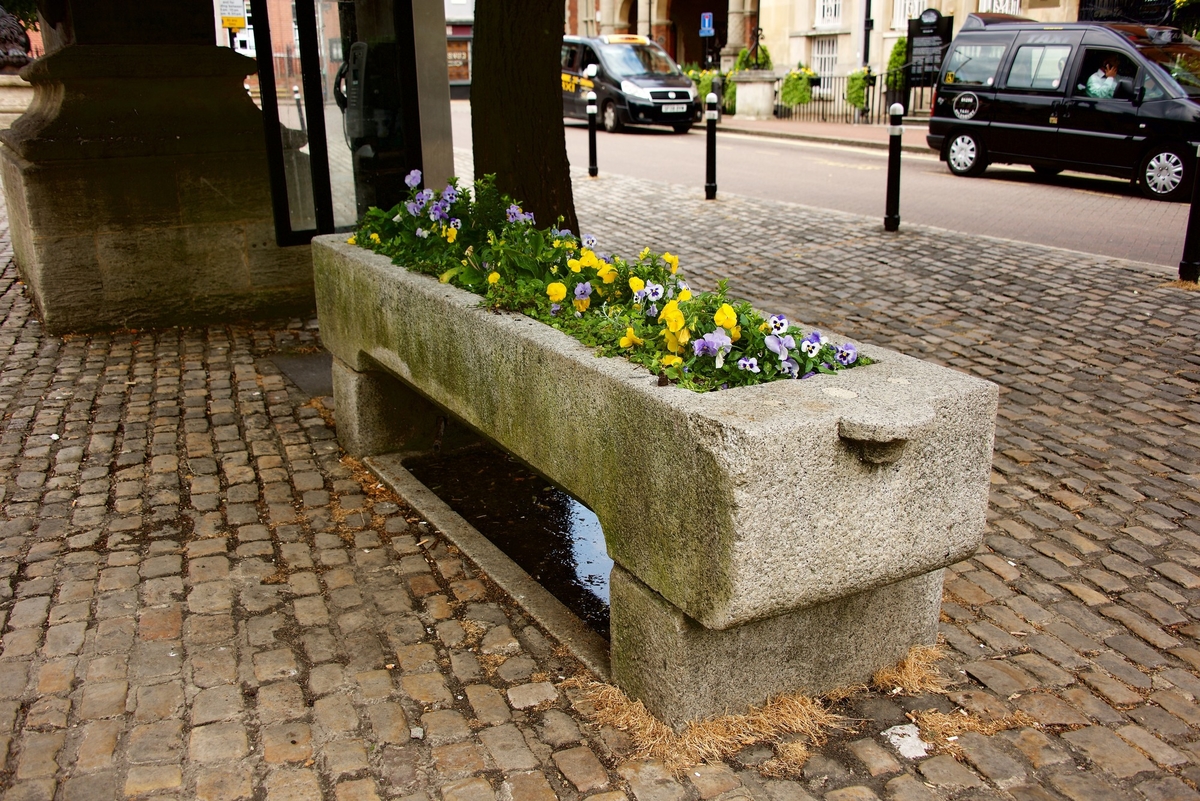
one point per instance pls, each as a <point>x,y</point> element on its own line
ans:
<point>625,38</point>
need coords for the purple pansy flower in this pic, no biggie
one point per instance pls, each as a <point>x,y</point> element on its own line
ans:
<point>812,344</point>
<point>654,291</point>
<point>450,193</point>
<point>748,363</point>
<point>554,307</point>
<point>583,290</point>
<point>422,233</point>
<point>847,354</point>
<point>809,374</point>
<point>778,323</point>
<point>455,222</point>
<point>780,345</point>
<point>589,241</point>
<point>652,310</point>
<point>437,211</point>
<point>413,207</point>
<point>790,367</point>
<point>413,179</point>
<point>715,343</point>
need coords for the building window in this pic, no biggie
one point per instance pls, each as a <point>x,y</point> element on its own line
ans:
<point>1000,7</point>
<point>904,10</point>
<point>824,54</point>
<point>829,13</point>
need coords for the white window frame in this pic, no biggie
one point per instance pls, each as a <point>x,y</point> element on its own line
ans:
<point>904,10</point>
<point>824,54</point>
<point>829,13</point>
<point>1000,7</point>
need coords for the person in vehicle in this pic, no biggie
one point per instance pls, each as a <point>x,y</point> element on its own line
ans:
<point>1103,82</point>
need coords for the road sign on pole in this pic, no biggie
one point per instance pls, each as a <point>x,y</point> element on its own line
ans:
<point>706,24</point>
<point>233,14</point>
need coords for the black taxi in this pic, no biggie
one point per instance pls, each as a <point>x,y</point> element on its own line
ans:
<point>1105,98</point>
<point>635,81</point>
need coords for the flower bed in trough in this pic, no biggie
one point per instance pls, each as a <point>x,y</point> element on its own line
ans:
<point>777,536</point>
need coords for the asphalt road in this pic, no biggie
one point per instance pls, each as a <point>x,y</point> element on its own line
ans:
<point>1080,212</point>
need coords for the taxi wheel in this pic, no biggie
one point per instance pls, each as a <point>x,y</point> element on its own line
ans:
<point>1166,174</point>
<point>612,122</point>
<point>682,127</point>
<point>965,155</point>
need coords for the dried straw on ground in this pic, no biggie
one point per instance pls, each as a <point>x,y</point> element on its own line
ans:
<point>915,674</point>
<point>943,729</point>
<point>1187,286</point>
<point>713,739</point>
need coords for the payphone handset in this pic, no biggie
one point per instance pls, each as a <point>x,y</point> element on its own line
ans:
<point>356,75</point>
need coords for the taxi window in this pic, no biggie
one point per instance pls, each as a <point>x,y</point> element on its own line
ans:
<point>589,57</point>
<point>974,65</point>
<point>1038,67</point>
<point>569,56</point>
<point>1154,90</point>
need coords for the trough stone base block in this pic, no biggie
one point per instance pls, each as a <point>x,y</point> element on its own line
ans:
<point>377,413</point>
<point>683,671</point>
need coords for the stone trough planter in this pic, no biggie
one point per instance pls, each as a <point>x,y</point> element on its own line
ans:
<point>787,536</point>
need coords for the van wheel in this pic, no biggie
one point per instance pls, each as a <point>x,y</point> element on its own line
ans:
<point>1166,173</point>
<point>612,123</point>
<point>681,127</point>
<point>965,155</point>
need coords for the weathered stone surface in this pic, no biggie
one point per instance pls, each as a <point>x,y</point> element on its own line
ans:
<point>729,550</point>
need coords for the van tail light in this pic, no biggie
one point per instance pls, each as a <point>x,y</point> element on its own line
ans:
<point>933,100</point>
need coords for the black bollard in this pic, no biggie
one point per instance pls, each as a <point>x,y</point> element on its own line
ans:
<point>710,183</point>
<point>1189,268</point>
<point>891,215</point>
<point>299,110</point>
<point>593,170</point>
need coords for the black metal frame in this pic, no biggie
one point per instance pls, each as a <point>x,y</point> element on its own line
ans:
<point>314,113</point>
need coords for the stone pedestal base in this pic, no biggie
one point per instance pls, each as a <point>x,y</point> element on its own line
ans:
<point>755,94</point>
<point>683,671</point>
<point>138,192</point>
<point>377,413</point>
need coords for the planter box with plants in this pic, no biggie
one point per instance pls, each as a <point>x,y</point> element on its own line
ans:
<point>779,506</point>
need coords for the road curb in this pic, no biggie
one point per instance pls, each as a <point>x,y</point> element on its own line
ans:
<point>828,140</point>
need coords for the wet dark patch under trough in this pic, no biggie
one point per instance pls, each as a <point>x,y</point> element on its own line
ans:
<point>553,537</point>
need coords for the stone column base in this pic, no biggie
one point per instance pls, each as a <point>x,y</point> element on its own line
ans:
<point>377,413</point>
<point>755,94</point>
<point>683,671</point>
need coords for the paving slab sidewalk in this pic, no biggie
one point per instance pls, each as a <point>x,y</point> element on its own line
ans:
<point>200,597</point>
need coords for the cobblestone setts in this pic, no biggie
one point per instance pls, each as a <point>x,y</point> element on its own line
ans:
<point>200,599</point>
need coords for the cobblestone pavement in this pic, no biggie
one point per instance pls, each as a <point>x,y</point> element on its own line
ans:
<point>200,598</point>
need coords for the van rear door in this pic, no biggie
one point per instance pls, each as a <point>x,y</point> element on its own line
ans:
<point>1029,101</point>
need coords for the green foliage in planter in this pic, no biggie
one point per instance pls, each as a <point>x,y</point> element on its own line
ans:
<point>895,74</point>
<point>856,88</point>
<point>640,308</point>
<point>797,87</point>
<point>729,99</point>
<point>745,62</point>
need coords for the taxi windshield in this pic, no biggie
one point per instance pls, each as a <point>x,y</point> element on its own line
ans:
<point>1178,64</point>
<point>633,60</point>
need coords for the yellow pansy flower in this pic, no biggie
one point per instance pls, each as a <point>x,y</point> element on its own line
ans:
<point>581,304</point>
<point>672,261</point>
<point>574,265</point>
<point>725,317</point>
<point>672,316</point>
<point>375,237</point>
<point>630,339</point>
<point>735,333</point>
<point>589,259</point>
<point>669,360</point>
<point>352,241</point>
<point>685,295</point>
<point>451,233</point>
<point>493,276</point>
<point>645,252</point>
<point>556,291</point>
<point>607,272</point>
<point>636,284</point>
